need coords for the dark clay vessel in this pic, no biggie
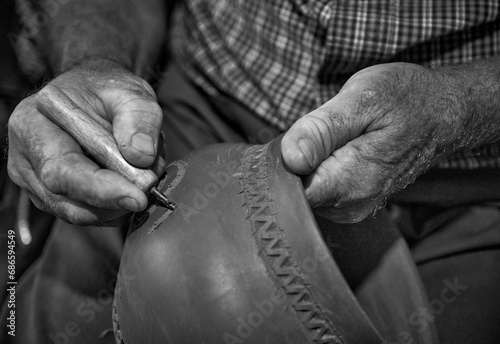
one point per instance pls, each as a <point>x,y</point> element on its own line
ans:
<point>240,260</point>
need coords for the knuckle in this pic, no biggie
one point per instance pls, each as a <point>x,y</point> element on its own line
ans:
<point>16,120</point>
<point>51,175</point>
<point>12,172</point>
<point>72,216</point>
<point>369,95</point>
<point>19,172</point>
<point>373,103</point>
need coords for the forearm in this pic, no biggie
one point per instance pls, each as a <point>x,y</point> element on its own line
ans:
<point>129,32</point>
<point>476,87</point>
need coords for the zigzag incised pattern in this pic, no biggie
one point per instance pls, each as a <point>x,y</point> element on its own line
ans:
<point>275,252</point>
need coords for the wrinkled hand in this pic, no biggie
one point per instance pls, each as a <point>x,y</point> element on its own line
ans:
<point>386,126</point>
<point>52,167</point>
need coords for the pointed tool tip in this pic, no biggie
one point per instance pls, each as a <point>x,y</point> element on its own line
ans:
<point>162,199</point>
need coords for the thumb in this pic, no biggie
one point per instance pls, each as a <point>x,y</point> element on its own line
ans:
<point>314,137</point>
<point>137,120</point>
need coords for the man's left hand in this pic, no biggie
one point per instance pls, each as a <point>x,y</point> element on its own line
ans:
<point>387,125</point>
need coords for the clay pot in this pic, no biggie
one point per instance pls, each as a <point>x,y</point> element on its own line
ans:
<point>240,260</point>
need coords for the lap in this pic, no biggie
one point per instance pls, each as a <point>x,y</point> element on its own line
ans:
<point>459,265</point>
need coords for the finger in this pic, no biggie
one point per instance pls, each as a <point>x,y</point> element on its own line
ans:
<point>66,209</point>
<point>137,119</point>
<point>351,214</point>
<point>352,182</point>
<point>78,213</point>
<point>76,176</point>
<point>318,134</point>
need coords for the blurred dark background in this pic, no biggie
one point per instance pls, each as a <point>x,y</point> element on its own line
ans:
<point>14,86</point>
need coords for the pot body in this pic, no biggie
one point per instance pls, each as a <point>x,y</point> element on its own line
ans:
<point>240,259</point>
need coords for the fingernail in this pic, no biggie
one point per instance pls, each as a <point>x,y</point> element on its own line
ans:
<point>307,151</point>
<point>128,203</point>
<point>144,143</point>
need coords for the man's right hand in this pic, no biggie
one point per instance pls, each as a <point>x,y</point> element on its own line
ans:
<point>52,167</point>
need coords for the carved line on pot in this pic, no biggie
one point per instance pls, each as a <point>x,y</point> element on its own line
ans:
<point>179,174</point>
<point>275,252</point>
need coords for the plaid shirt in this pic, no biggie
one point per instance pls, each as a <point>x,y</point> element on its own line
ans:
<point>284,58</point>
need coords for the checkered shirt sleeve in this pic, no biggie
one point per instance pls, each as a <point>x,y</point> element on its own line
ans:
<point>284,58</point>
